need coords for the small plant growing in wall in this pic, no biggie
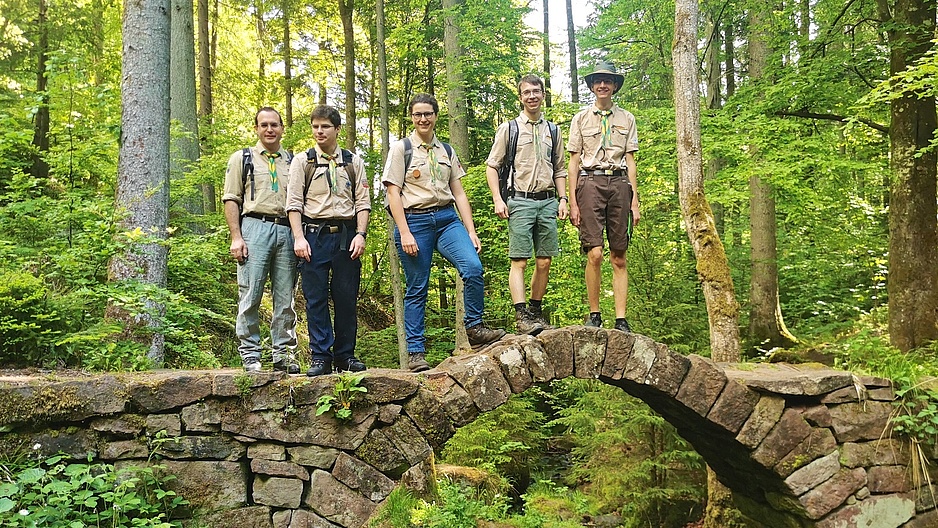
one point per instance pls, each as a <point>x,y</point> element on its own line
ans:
<point>347,386</point>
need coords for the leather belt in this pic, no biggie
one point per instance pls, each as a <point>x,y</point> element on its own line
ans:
<point>540,195</point>
<point>604,172</point>
<point>279,220</point>
<point>326,225</point>
<point>425,210</point>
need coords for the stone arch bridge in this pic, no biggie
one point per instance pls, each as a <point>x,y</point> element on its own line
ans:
<point>799,446</point>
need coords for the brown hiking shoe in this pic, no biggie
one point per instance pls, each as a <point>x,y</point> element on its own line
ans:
<point>482,335</point>
<point>527,323</point>
<point>418,362</point>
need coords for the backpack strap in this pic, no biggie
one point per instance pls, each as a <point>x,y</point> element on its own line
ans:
<point>554,139</point>
<point>312,163</point>
<point>247,168</point>
<point>408,153</point>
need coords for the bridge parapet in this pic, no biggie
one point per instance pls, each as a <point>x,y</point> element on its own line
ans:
<point>800,446</point>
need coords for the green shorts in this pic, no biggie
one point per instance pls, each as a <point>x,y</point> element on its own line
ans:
<point>532,228</point>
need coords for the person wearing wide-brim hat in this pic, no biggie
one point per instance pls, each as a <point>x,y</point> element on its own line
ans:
<point>604,188</point>
<point>604,70</point>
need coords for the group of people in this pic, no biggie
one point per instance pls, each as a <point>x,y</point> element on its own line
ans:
<point>308,214</point>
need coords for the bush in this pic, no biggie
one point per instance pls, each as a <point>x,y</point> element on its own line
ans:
<point>56,493</point>
<point>31,320</point>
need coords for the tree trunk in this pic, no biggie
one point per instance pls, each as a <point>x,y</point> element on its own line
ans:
<point>346,11</point>
<point>205,96</point>
<point>766,325</point>
<point>571,50</point>
<point>287,66</point>
<point>547,96</point>
<point>184,151</point>
<point>40,168</point>
<point>729,59</point>
<point>721,512</point>
<point>383,101</point>
<point>455,82</point>
<point>714,102</point>
<point>458,126</point>
<point>913,231</point>
<point>397,286</point>
<point>143,164</point>
<point>713,268</point>
<point>261,97</point>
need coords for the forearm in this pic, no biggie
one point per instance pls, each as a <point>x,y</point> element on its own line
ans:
<point>233,218</point>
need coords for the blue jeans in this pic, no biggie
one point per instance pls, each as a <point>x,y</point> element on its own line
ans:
<point>270,254</point>
<point>441,230</point>
<point>331,272</point>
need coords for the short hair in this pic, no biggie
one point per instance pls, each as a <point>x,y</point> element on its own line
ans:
<point>326,112</point>
<point>268,109</point>
<point>530,79</point>
<point>424,98</point>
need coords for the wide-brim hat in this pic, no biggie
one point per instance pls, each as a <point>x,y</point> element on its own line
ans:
<point>605,68</point>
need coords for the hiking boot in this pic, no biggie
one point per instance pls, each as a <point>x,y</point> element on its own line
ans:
<point>539,317</point>
<point>527,323</point>
<point>482,335</point>
<point>319,367</point>
<point>623,325</point>
<point>594,320</point>
<point>252,365</point>
<point>288,365</point>
<point>418,362</point>
<point>352,364</point>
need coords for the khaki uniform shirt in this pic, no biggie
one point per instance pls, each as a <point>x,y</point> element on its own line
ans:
<point>533,172</point>
<point>586,138</point>
<point>266,201</point>
<point>322,200</point>
<point>419,190</point>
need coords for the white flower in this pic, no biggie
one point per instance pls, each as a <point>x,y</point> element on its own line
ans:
<point>37,447</point>
<point>24,512</point>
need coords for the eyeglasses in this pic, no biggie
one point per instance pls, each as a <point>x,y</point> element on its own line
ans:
<point>603,80</point>
<point>422,115</point>
<point>530,93</point>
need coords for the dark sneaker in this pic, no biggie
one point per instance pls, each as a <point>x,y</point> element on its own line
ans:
<point>594,320</point>
<point>623,325</point>
<point>482,335</point>
<point>288,365</point>
<point>352,364</point>
<point>418,362</point>
<point>252,365</point>
<point>319,367</point>
<point>526,323</point>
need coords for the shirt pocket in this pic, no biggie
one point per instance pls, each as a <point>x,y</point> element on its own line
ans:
<point>418,173</point>
<point>592,131</point>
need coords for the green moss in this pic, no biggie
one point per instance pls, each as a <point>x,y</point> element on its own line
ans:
<point>43,405</point>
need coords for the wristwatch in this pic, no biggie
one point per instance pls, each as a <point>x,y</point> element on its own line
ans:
<point>362,233</point>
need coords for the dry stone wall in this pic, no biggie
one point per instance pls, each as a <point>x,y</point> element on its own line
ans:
<point>801,446</point>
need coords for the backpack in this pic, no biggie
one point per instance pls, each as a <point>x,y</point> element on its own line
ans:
<point>312,163</point>
<point>247,167</point>
<point>507,170</point>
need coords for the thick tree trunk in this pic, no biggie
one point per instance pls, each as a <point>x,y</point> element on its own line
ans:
<point>182,99</point>
<point>546,40</point>
<point>714,102</point>
<point>40,168</point>
<point>143,164</point>
<point>205,95</point>
<point>571,50</point>
<point>712,266</point>
<point>287,66</point>
<point>346,12</point>
<point>766,325</point>
<point>913,230</point>
<point>261,97</point>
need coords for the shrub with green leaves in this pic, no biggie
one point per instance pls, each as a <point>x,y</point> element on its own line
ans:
<point>56,493</point>
<point>31,321</point>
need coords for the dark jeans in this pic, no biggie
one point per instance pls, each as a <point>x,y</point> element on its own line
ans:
<point>331,272</point>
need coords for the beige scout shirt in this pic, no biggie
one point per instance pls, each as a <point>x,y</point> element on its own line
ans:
<point>323,201</point>
<point>266,201</point>
<point>532,173</point>
<point>586,138</point>
<point>419,189</point>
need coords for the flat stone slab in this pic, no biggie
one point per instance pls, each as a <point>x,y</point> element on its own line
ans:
<point>806,379</point>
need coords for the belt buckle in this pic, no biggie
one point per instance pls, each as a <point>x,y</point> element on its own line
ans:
<point>608,172</point>
<point>333,229</point>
